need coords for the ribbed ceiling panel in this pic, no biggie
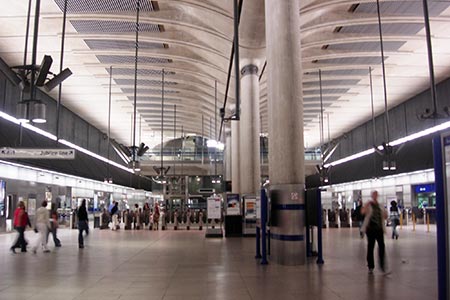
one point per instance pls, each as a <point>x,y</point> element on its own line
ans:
<point>367,46</point>
<point>124,59</point>
<point>141,72</point>
<point>141,82</point>
<point>366,60</point>
<point>389,29</point>
<point>331,82</point>
<point>152,99</point>
<point>104,6</point>
<point>413,8</point>
<point>148,91</point>
<point>107,26</point>
<point>96,44</point>
<point>317,99</point>
<point>343,72</point>
<point>326,91</point>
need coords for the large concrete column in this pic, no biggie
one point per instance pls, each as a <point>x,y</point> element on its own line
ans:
<point>235,180</point>
<point>249,155</point>
<point>286,147</point>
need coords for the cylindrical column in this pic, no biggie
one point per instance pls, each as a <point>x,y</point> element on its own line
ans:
<point>235,180</point>
<point>286,147</point>
<point>249,130</point>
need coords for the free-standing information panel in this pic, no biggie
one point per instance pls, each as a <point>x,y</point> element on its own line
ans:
<point>441,154</point>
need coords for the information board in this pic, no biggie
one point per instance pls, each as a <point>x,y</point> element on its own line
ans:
<point>28,153</point>
<point>250,208</point>
<point>214,207</point>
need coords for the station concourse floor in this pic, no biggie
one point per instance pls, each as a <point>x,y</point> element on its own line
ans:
<point>185,265</point>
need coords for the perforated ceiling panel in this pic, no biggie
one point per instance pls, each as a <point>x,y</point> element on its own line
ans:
<point>316,99</point>
<point>315,84</point>
<point>326,91</point>
<point>392,29</point>
<point>413,8</point>
<point>96,44</point>
<point>367,46</point>
<point>366,60</point>
<point>104,6</point>
<point>123,59</point>
<point>144,82</point>
<point>344,72</point>
<point>141,72</point>
<point>148,91</point>
<point>107,26</point>
<point>152,99</point>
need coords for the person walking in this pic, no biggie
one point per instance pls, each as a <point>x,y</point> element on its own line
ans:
<point>83,223</point>
<point>359,217</point>
<point>54,225</point>
<point>42,226</point>
<point>21,221</point>
<point>115,215</point>
<point>394,218</point>
<point>373,226</point>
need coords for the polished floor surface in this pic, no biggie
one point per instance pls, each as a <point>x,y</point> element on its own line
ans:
<point>185,265</point>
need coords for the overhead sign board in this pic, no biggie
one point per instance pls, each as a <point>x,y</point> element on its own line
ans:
<point>29,153</point>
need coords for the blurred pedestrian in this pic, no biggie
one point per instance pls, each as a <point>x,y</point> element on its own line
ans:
<point>394,217</point>
<point>373,226</point>
<point>54,225</point>
<point>115,215</point>
<point>42,227</point>
<point>83,223</point>
<point>20,223</point>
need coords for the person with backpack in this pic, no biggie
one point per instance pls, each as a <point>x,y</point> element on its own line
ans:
<point>373,226</point>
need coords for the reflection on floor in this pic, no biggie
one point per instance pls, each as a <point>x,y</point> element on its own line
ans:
<point>185,265</point>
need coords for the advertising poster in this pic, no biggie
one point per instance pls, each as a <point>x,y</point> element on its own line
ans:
<point>31,206</point>
<point>250,208</point>
<point>233,204</point>
<point>214,208</point>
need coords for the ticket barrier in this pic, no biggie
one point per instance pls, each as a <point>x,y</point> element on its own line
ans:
<point>332,220</point>
<point>344,218</point>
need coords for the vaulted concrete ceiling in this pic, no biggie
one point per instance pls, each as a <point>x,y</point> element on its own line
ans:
<point>192,40</point>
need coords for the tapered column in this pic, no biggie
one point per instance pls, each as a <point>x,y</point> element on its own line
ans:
<point>250,173</point>
<point>286,147</point>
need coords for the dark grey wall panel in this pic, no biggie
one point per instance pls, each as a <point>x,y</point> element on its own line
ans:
<point>359,138</point>
<point>95,138</point>
<point>72,128</point>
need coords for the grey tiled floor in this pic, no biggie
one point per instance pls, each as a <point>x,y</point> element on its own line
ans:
<point>185,265</point>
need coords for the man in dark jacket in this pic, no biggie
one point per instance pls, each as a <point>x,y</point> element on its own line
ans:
<point>83,223</point>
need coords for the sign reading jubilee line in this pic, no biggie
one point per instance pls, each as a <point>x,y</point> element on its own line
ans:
<point>29,153</point>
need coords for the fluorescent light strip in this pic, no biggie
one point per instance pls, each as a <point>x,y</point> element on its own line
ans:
<point>64,142</point>
<point>121,155</point>
<point>64,175</point>
<point>399,141</point>
<point>72,145</point>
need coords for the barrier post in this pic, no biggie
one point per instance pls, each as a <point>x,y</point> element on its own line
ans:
<point>401,220</point>
<point>263,227</point>
<point>319,260</point>
<point>414,221</point>
<point>258,243</point>
<point>428,221</point>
